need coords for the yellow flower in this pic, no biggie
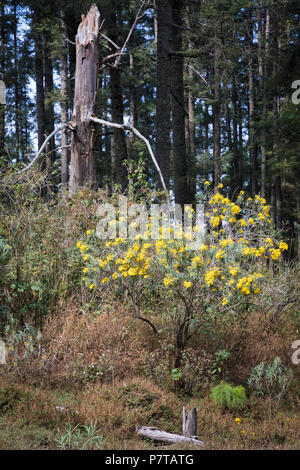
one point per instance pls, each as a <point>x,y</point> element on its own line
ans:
<point>206,183</point>
<point>233,270</point>
<point>275,254</point>
<point>187,284</point>
<point>220,186</point>
<point>132,272</point>
<point>85,270</point>
<point>235,209</point>
<point>104,280</point>
<point>197,261</point>
<point>89,232</point>
<point>215,221</point>
<point>92,286</point>
<point>168,281</point>
<point>283,246</point>
<point>210,276</point>
<point>227,242</point>
<point>237,420</point>
<point>220,254</point>
<point>203,247</point>
<point>225,301</point>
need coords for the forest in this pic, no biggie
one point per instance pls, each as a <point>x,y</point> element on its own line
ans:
<point>149,224</point>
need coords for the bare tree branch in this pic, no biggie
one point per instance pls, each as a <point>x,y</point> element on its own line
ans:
<point>110,56</point>
<point>137,18</point>
<point>109,40</point>
<point>140,136</point>
<point>56,130</point>
<point>197,72</point>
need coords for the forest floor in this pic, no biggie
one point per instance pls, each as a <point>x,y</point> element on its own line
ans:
<point>33,418</point>
<point>97,380</point>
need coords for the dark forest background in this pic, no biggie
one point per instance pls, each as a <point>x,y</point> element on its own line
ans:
<point>209,83</point>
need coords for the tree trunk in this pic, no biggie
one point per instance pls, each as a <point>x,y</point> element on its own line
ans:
<point>276,180</point>
<point>183,190</point>
<point>235,146</point>
<point>82,142</point>
<point>163,126</point>
<point>64,104</point>
<point>217,119</point>
<point>2,77</point>
<point>118,143</point>
<point>49,107</point>
<point>16,84</point>
<point>262,92</point>
<point>253,157</point>
<point>39,79</point>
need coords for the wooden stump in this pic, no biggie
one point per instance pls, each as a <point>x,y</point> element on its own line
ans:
<point>189,422</point>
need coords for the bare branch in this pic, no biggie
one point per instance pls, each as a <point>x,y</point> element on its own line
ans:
<point>137,18</point>
<point>140,136</point>
<point>56,130</point>
<point>110,41</point>
<point>197,72</point>
<point>110,56</point>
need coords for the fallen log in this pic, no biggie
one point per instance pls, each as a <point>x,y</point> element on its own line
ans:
<point>157,435</point>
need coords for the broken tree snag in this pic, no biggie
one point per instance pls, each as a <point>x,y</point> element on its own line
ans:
<point>83,171</point>
<point>189,422</point>
<point>157,435</point>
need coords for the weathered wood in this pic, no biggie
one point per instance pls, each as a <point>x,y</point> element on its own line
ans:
<point>189,423</point>
<point>86,84</point>
<point>157,435</point>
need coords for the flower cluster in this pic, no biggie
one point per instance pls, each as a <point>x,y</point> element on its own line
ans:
<point>230,261</point>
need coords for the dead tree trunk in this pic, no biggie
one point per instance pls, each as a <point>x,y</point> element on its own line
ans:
<point>82,142</point>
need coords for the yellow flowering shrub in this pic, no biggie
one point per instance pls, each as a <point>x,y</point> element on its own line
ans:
<point>192,285</point>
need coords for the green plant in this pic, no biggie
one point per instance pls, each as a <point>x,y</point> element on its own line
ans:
<point>271,380</point>
<point>176,374</point>
<point>86,373</point>
<point>227,396</point>
<point>221,357</point>
<point>80,437</point>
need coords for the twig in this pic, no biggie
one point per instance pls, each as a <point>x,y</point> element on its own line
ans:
<point>56,130</point>
<point>110,56</point>
<point>118,59</point>
<point>109,40</point>
<point>71,42</point>
<point>140,136</point>
<point>197,72</point>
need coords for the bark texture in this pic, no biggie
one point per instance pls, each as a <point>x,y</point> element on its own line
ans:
<point>83,170</point>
